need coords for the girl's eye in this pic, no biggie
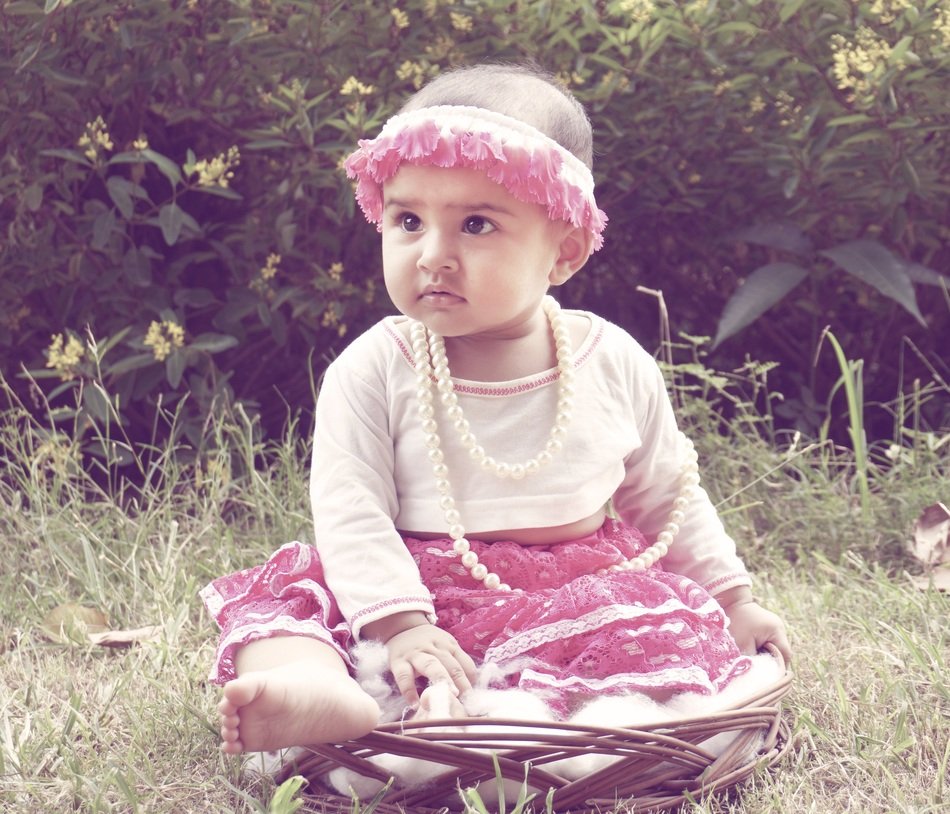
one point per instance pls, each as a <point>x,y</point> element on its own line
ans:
<point>477,225</point>
<point>410,222</point>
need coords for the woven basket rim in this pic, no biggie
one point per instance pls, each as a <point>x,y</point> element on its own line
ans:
<point>659,765</point>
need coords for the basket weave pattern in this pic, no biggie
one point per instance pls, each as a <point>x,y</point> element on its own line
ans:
<point>656,766</point>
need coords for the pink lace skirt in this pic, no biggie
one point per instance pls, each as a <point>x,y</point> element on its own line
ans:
<point>566,633</point>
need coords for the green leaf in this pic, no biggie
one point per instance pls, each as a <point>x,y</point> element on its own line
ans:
<point>777,235</point>
<point>118,189</point>
<point>221,192</point>
<point>926,276</point>
<point>285,800</point>
<point>175,368</point>
<point>68,155</point>
<point>766,286</point>
<point>51,6</point>
<point>130,363</point>
<point>875,265</point>
<point>102,228</point>
<point>852,118</point>
<point>213,342</point>
<point>33,197</point>
<point>171,217</point>
<point>790,9</point>
<point>166,166</point>
<point>96,403</point>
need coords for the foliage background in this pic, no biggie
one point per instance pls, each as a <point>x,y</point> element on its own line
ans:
<point>177,235</point>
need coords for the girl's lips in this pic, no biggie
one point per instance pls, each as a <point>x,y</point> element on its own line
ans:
<point>441,298</point>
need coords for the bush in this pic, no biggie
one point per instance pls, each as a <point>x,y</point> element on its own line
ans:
<point>178,235</point>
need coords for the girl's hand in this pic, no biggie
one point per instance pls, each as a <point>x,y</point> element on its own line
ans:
<point>752,626</point>
<point>426,651</point>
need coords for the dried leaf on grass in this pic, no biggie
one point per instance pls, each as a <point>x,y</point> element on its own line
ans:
<point>930,546</point>
<point>126,638</point>
<point>71,623</point>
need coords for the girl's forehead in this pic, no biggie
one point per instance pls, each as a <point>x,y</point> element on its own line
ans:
<point>447,186</point>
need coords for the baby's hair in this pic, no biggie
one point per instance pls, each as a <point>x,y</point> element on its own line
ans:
<point>520,91</point>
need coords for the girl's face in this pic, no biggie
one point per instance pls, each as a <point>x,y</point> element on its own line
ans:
<point>465,257</point>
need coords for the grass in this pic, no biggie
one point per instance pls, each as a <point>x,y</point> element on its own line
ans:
<point>92,729</point>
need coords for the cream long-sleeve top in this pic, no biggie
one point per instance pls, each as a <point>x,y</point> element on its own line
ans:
<point>370,474</point>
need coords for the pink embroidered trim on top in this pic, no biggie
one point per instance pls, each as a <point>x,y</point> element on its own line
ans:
<point>531,166</point>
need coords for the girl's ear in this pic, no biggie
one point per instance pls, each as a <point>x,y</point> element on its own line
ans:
<point>575,246</point>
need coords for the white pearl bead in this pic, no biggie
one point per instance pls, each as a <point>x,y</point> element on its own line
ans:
<point>518,471</point>
<point>456,532</point>
<point>681,503</point>
<point>676,516</point>
<point>479,572</point>
<point>672,528</point>
<point>452,517</point>
<point>638,565</point>
<point>531,466</point>
<point>446,502</point>
<point>552,446</point>
<point>502,470</point>
<point>665,537</point>
<point>477,452</point>
<point>504,587</point>
<point>443,486</point>
<point>461,546</point>
<point>491,581</point>
<point>469,559</point>
<point>440,471</point>
<point>661,549</point>
<point>436,456</point>
<point>488,463</point>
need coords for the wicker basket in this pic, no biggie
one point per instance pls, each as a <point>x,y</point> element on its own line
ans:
<point>657,767</point>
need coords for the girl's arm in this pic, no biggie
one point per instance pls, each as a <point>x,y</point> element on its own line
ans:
<point>701,549</point>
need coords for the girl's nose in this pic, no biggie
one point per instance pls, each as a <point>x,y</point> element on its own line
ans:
<point>438,252</point>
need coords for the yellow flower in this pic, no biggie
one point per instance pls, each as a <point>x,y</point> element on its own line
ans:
<point>352,86</point>
<point>219,170</point>
<point>460,22</point>
<point>269,269</point>
<point>162,337</point>
<point>858,64</point>
<point>411,70</point>
<point>64,356</point>
<point>95,139</point>
<point>757,105</point>
<point>640,11</point>
<point>400,18</point>
<point>335,271</point>
<point>942,26</point>
<point>887,11</point>
<point>141,143</point>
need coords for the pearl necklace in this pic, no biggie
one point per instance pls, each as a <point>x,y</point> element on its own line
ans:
<point>431,362</point>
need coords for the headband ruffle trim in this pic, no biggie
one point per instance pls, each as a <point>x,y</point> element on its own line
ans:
<point>531,166</point>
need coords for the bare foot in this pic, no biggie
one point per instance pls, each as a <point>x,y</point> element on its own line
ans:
<point>292,705</point>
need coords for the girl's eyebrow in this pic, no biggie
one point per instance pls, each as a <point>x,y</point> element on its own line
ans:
<point>477,206</point>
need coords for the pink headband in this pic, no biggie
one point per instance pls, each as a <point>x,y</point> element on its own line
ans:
<point>531,166</point>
